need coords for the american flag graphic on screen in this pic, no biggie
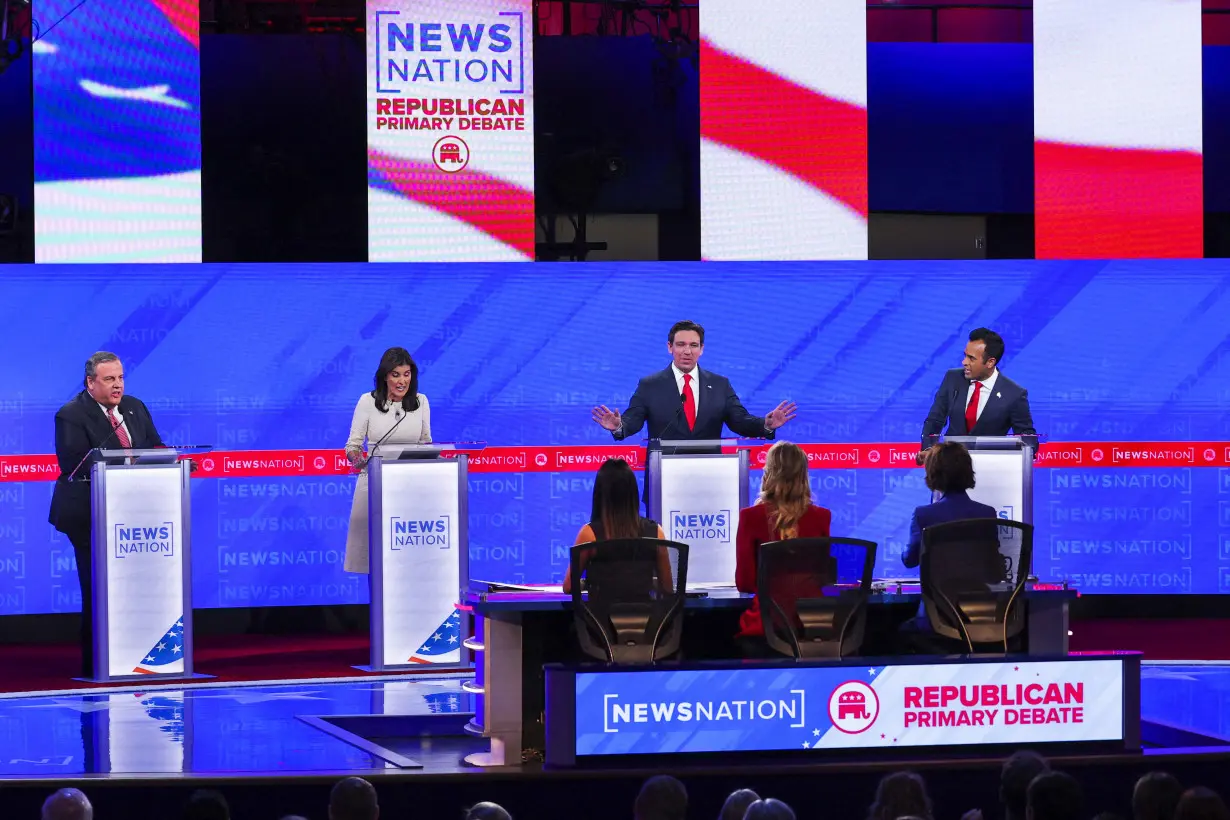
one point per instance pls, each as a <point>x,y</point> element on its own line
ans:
<point>117,123</point>
<point>443,702</point>
<point>783,122</point>
<point>1118,129</point>
<point>167,650</point>
<point>445,639</point>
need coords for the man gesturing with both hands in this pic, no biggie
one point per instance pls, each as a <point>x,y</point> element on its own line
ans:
<point>684,402</point>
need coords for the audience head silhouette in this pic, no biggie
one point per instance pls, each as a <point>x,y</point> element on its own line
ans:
<point>661,798</point>
<point>68,804</point>
<point>206,804</point>
<point>769,809</point>
<point>1014,778</point>
<point>903,794</point>
<point>353,798</point>
<point>1201,804</point>
<point>1156,796</point>
<point>1055,796</point>
<point>736,804</point>
<point>487,811</point>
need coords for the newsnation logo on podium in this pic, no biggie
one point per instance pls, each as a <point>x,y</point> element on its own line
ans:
<point>748,709</point>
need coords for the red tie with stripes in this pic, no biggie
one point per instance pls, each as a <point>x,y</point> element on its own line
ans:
<point>689,402</point>
<point>121,430</point>
<point>971,411</point>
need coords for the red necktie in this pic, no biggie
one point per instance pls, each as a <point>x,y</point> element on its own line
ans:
<point>689,402</point>
<point>971,411</point>
<point>121,432</point>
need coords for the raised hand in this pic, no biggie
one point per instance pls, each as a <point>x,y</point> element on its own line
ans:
<point>781,414</point>
<point>608,418</point>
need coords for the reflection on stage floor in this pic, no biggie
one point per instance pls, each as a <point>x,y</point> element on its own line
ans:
<point>247,730</point>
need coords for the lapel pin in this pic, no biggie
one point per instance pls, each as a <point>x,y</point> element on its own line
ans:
<point>999,395</point>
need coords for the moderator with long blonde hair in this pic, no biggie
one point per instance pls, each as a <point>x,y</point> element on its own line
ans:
<point>785,486</point>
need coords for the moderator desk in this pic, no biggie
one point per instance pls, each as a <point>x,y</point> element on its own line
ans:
<point>517,633</point>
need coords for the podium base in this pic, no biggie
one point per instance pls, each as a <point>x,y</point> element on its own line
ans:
<point>144,678</point>
<point>491,759</point>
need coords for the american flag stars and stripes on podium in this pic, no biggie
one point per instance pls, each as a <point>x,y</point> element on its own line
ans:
<point>445,639</point>
<point>168,650</point>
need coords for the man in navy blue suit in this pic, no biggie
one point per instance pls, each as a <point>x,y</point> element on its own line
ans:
<point>684,402</point>
<point>976,399</point>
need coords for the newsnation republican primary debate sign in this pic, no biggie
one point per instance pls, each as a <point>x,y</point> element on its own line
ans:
<point>450,130</point>
<point>748,709</point>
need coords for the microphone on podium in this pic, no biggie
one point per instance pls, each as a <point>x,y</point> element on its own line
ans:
<point>115,428</point>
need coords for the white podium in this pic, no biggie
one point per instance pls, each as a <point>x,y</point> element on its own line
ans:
<point>142,571</point>
<point>1004,472</point>
<point>695,491</point>
<point>418,537</point>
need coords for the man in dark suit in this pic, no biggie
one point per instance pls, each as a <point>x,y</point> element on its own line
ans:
<point>684,402</point>
<point>976,399</point>
<point>99,416</point>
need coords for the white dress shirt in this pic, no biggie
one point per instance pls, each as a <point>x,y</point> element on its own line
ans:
<point>118,415</point>
<point>694,386</point>
<point>988,386</point>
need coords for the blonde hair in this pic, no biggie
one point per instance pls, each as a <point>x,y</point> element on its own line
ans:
<point>785,486</point>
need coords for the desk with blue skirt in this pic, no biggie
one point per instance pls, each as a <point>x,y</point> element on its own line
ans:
<point>517,633</point>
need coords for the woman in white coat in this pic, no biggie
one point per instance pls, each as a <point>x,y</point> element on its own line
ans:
<point>394,413</point>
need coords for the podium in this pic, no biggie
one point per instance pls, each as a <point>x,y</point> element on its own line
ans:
<point>418,537</point>
<point>142,564</point>
<point>1004,470</point>
<point>695,491</point>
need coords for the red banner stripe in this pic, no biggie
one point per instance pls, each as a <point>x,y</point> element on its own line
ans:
<point>1117,203</point>
<point>818,139</point>
<point>500,209</point>
<point>587,459</point>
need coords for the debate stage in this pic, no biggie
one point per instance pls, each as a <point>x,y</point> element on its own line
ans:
<point>274,747</point>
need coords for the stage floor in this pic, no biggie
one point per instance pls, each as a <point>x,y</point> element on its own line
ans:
<point>367,726</point>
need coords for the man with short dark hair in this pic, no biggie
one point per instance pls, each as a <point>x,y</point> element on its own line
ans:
<point>101,415</point>
<point>976,399</point>
<point>353,798</point>
<point>661,798</point>
<point>684,402</point>
<point>1156,796</point>
<point>1054,796</point>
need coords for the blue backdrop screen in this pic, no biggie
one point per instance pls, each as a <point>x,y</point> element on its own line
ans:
<point>275,356</point>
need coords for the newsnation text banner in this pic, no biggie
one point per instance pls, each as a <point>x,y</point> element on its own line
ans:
<point>805,708</point>
<point>450,130</point>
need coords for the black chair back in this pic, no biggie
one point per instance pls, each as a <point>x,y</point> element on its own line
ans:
<point>630,608</point>
<point>813,595</point>
<point>973,573</point>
